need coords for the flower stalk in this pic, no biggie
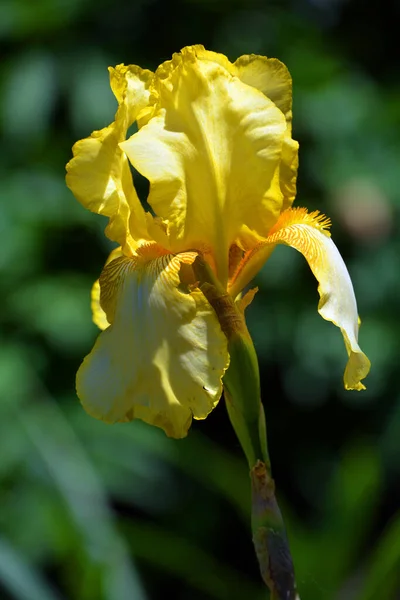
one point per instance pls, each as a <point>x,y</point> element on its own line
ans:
<point>246,413</point>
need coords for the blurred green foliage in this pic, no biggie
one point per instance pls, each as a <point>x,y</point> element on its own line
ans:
<point>92,512</point>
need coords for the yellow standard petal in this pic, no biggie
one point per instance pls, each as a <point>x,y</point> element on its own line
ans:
<point>307,233</point>
<point>99,174</point>
<point>211,152</point>
<point>163,357</point>
<point>268,75</point>
<point>272,78</point>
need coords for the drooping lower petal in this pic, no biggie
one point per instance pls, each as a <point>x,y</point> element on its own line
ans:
<point>99,174</point>
<point>98,315</point>
<point>307,234</point>
<point>211,152</point>
<point>163,356</point>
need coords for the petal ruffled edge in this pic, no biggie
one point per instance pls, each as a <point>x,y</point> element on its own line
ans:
<point>268,75</point>
<point>99,173</point>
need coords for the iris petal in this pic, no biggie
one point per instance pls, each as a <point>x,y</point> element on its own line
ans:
<point>272,78</point>
<point>98,315</point>
<point>211,152</point>
<point>99,174</point>
<point>307,233</point>
<point>163,356</point>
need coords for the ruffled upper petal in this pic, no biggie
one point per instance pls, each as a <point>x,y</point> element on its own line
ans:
<point>211,152</point>
<point>268,75</point>
<point>130,85</point>
<point>99,174</point>
<point>307,233</point>
<point>163,357</point>
<point>272,78</point>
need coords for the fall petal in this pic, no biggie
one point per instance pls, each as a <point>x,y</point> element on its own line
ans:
<point>307,233</point>
<point>163,356</point>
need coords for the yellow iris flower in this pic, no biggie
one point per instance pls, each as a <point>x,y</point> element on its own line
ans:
<point>214,140</point>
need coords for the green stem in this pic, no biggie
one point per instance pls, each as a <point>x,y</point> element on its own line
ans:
<point>246,413</point>
<point>269,536</point>
<point>242,397</point>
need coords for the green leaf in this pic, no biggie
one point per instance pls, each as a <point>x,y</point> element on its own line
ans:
<point>74,476</point>
<point>197,567</point>
<point>382,579</point>
<point>22,579</point>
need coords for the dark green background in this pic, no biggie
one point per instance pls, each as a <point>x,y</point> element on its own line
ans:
<point>93,512</point>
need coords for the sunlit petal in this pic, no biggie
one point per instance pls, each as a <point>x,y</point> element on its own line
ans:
<point>307,233</point>
<point>271,77</point>
<point>163,356</point>
<point>98,315</point>
<point>130,85</point>
<point>268,75</point>
<point>211,152</point>
<point>99,174</point>
<point>288,170</point>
